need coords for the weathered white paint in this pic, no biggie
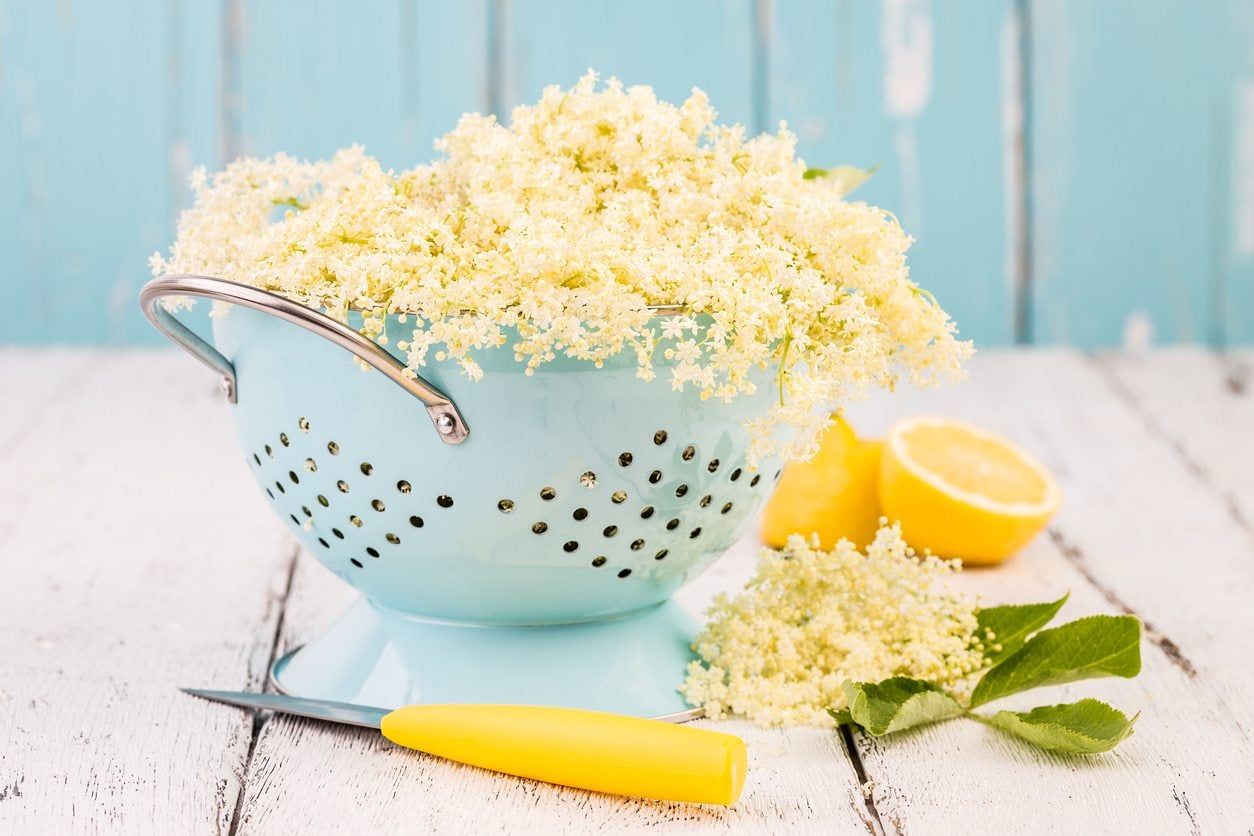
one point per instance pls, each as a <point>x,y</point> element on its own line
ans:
<point>135,557</point>
<point>906,36</point>
<point>143,559</point>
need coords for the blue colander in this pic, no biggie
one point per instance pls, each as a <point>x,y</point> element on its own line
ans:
<point>514,540</point>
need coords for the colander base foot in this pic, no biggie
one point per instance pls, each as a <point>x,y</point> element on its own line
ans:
<point>372,656</point>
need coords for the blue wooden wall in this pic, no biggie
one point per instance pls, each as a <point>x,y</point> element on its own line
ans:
<point>1074,171</point>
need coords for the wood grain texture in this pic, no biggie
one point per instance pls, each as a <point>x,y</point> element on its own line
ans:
<point>391,75</point>
<point>425,794</point>
<point>1138,171</point>
<point>1200,404</point>
<point>930,96</point>
<point>139,557</point>
<point>136,558</point>
<point>102,114</point>
<point>1134,526</point>
<point>671,46</point>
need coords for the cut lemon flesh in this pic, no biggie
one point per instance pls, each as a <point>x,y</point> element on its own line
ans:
<point>962,491</point>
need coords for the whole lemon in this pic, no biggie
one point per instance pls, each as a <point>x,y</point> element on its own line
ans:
<point>833,494</point>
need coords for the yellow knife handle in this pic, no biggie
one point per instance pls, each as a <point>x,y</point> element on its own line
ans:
<point>592,750</point>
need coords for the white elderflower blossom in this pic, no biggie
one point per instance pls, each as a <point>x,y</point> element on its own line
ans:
<point>810,619</point>
<point>556,234</point>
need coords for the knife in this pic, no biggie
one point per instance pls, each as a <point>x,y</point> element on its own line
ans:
<point>592,750</point>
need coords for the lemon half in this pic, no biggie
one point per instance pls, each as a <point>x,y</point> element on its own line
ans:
<point>962,491</point>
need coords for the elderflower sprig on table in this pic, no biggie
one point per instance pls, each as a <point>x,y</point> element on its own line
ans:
<point>562,229</point>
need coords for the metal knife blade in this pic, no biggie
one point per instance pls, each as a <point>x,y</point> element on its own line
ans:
<point>334,712</point>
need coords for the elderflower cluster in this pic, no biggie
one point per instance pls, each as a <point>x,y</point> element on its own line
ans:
<point>556,234</point>
<point>810,619</point>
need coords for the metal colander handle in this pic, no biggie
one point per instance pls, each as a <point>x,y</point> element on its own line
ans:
<point>448,421</point>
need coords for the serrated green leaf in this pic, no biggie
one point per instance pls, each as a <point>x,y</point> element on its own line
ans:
<point>1099,645</point>
<point>1011,625</point>
<point>842,716</point>
<point>844,178</point>
<point>1086,727</point>
<point>897,704</point>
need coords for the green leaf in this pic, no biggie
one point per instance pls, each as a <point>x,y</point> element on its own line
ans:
<point>844,178</point>
<point>1100,645</point>
<point>842,717</point>
<point>1012,624</point>
<point>897,704</point>
<point>1086,727</point>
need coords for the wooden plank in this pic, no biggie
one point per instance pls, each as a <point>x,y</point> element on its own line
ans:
<point>1136,170</point>
<point>390,74</point>
<point>101,116</point>
<point>138,559</point>
<point>304,774</point>
<point>671,46</point>
<point>933,100</point>
<point>1137,533</point>
<point>1201,405</point>
<point>32,379</point>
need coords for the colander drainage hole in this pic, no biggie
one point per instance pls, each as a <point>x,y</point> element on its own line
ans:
<point>655,477</point>
<point>257,459</point>
<point>342,485</point>
<point>618,497</point>
<point>757,477</point>
<point>661,555</point>
<point>323,501</point>
<point>415,521</point>
<point>279,485</point>
<point>283,439</point>
<point>270,492</point>
<point>624,573</point>
<point>355,520</point>
<point>705,501</point>
<point>637,545</point>
<point>610,530</point>
<point>444,501</point>
<point>712,466</point>
<point>404,487</point>
<point>269,452</point>
<point>306,511</point>
<point>673,524</point>
<point>303,423</point>
<point>646,512</point>
<point>505,506</point>
<point>588,479</point>
<point>324,543</point>
<point>311,465</point>
<point>726,508</point>
<point>571,545</point>
<point>624,459</point>
<point>338,533</point>
<point>598,561</point>
<point>659,437</point>
<point>548,494</point>
<point>539,528</point>
<point>356,562</point>
<point>333,448</point>
<point>294,519</point>
<point>688,453</point>
<point>681,490</point>
<point>291,474</point>
<point>580,514</point>
<point>735,474</point>
<point>694,534</point>
<point>372,551</point>
<point>377,504</point>
<point>392,538</point>
<point>367,468</point>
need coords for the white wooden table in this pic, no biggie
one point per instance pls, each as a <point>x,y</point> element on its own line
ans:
<point>137,557</point>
